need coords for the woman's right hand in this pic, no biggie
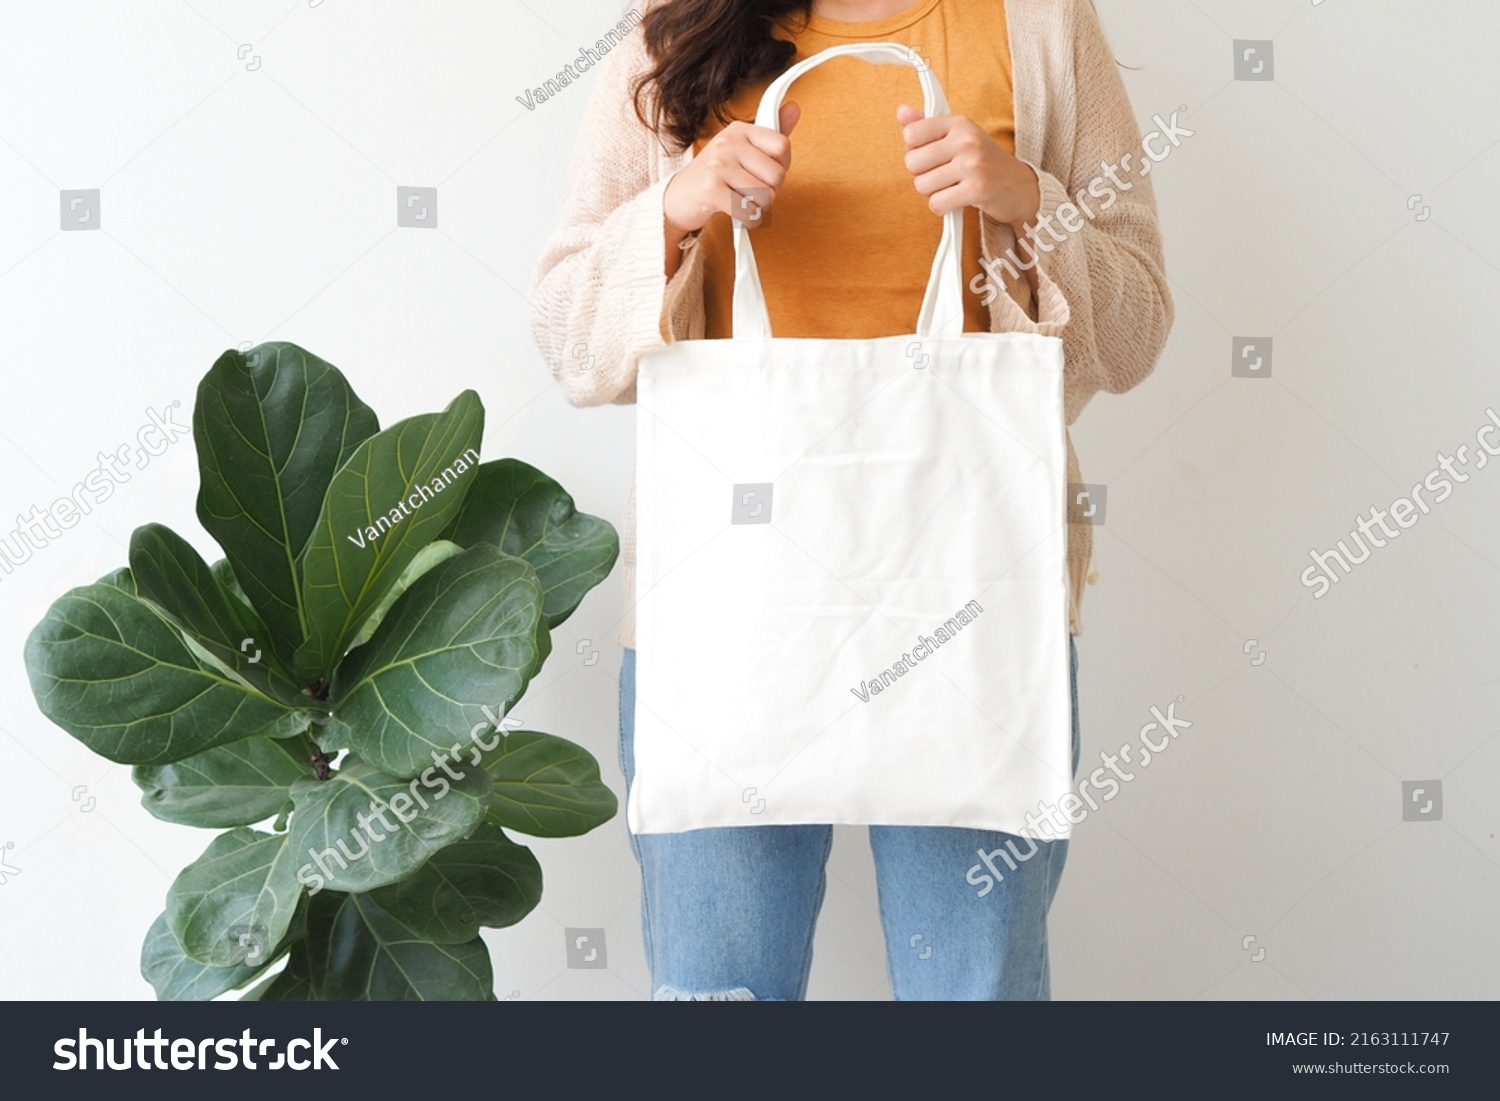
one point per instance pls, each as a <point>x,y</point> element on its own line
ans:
<point>741,163</point>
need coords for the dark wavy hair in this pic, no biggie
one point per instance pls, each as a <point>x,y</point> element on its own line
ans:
<point>701,52</point>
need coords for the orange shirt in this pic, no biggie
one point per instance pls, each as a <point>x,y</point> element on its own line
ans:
<point>847,249</point>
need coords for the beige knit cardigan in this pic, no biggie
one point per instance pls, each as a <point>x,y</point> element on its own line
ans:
<point>600,280</point>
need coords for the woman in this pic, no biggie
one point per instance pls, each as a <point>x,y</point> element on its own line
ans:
<point>643,257</point>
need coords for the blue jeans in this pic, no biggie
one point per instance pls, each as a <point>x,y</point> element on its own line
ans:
<point>728,914</point>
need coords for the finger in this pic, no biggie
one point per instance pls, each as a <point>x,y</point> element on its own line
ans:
<point>957,197</point>
<point>907,114</point>
<point>789,114</point>
<point>925,130</point>
<point>768,141</point>
<point>769,171</point>
<point>925,158</point>
<point>943,176</point>
<point>741,194</point>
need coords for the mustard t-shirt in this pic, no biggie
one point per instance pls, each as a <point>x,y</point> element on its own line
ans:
<point>847,249</point>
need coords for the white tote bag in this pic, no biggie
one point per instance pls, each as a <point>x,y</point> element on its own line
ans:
<point>851,587</point>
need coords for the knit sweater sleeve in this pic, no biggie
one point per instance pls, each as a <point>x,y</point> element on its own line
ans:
<point>600,297</point>
<point>1103,289</point>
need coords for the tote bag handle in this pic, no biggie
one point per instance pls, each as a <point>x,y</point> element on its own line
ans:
<point>942,306</point>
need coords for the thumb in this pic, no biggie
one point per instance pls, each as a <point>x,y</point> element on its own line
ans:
<point>906,115</point>
<point>788,116</point>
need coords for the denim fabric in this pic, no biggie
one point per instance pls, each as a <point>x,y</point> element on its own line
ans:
<point>728,914</point>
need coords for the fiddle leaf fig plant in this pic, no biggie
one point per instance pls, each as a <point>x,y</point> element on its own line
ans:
<point>332,693</point>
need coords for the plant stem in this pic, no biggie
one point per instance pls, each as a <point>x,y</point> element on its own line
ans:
<point>320,763</point>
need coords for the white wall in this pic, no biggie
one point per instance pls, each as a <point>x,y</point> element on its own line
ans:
<point>254,204</point>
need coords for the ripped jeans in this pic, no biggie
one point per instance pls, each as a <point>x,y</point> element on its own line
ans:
<point>728,914</point>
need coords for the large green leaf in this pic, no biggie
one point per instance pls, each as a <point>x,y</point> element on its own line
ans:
<point>438,551</point>
<point>361,953</point>
<point>172,576</point>
<point>547,787</point>
<point>224,572</point>
<point>119,579</point>
<point>271,427</point>
<point>239,896</point>
<point>525,513</point>
<point>361,829</point>
<point>235,785</point>
<point>468,634</point>
<point>177,978</point>
<point>396,494</point>
<point>485,880</point>
<point>113,673</point>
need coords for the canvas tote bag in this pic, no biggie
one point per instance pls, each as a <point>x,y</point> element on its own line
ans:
<point>851,566</point>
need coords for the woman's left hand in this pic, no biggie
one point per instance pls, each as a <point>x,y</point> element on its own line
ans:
<point>956,164</point>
